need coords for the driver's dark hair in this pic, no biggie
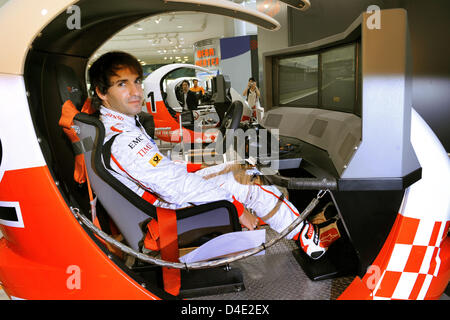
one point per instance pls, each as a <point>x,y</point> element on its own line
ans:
<point>105,67</point>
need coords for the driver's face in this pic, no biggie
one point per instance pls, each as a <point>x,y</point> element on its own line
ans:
<point>125,95</point>
<point>185,87</point>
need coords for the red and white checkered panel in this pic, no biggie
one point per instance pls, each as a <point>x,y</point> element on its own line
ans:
<point>414,261</point>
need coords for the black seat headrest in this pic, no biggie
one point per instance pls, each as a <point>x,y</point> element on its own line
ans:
<point>69,86</point>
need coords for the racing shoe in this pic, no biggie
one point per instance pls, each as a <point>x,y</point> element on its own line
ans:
<point>328,212</point>
<point>329,231</point>
<point>309,241</point>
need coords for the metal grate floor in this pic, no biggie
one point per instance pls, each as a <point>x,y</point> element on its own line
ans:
<point>277,276</point>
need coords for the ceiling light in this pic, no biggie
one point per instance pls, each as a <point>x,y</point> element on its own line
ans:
<point>44,12</point>
<point>179,27</point>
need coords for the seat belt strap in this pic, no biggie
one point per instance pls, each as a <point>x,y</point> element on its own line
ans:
<point>92,201</point>
<point>149,197</point>
<point>68,112</point>
<point>274,210</point>
<point>162,235</point>
<point>168,237</point>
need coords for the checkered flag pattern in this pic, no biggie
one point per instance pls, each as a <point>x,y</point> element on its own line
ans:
<point>414,261</point>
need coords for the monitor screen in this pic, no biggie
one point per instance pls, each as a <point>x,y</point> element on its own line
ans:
<point>327,79</point>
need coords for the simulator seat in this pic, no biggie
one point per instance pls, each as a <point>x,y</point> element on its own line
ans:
<point>117,198</point>
<point>131,213</point>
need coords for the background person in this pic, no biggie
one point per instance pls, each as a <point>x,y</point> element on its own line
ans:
<point>198,90</point>
<point>187,98</point>
<point>252,93</point>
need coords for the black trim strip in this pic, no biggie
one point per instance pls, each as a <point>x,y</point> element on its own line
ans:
<point>1,152</point>
<point>380,184</point>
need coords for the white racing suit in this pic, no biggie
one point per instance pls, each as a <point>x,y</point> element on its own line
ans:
<point>139,165</point>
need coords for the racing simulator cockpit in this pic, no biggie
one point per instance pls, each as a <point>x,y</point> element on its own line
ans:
<point>163,89</point>
<point>338,127</point>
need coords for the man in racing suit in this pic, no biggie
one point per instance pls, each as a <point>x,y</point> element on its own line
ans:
<point>138,164</point>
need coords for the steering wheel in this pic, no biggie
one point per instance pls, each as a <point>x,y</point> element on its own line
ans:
<point>232,117</point>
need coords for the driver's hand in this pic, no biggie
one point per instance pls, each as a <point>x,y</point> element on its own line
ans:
<point>248,220</point>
